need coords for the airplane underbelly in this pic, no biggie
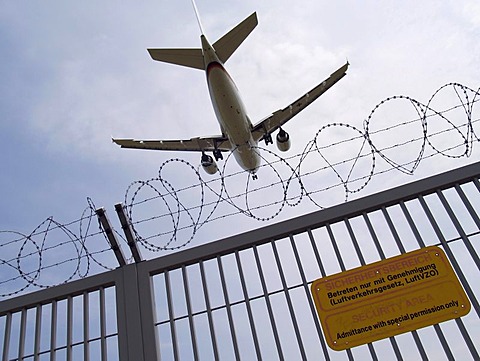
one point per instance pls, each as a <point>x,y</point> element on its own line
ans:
<point>228,106</point>
<point>247,158</point>
<point>232,116</point>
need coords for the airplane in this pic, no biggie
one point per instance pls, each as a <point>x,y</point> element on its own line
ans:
<point>238,134</point>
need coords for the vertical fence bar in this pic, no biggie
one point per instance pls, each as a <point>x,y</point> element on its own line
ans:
<point>248,306</point>
<point>228,308</point>
<point>53,332</point>
<point>400,246</point>
<point>86,331</point>
<point>477,184</point>
<point>459,228</point>
<point>69,327</point>
<point>309,298</point>
<point>289,302</point>
<point>324,274</point>
<point>362,262</point>
<point>393,230</point>
<point>209,312</point>
<point>189,310</point>
<point>468,205</point>
<point>373,234</point>
<point>473,254</point>
<point>468,340</point>
<point>412,224</point>
<point>415,335</point>
<point>443,342</point>
<point>354,241</point>
<point>342,267</point>
<point>38,330</point>
<point>419,344</point>
<point>421,243</point>
<point>414,229</point>
<point>6,336</point>
<point>171,315</point>
<point>380,251</point>
<point>103,333</point>
<point>450,255</point>
<point>122,310</point>
<point>315,251</point>
<point>396,349</point>
<point>21,338</point>
<point>335,247</point>
<point>402,250</point>
<point>269,305</point>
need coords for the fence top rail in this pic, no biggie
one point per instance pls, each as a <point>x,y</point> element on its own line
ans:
<point>314,220</point>
<point>59,292</point>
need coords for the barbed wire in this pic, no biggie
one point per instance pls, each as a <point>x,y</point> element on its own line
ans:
<point>33,259</point>
<point>167,211</point>
<point>352,174</point>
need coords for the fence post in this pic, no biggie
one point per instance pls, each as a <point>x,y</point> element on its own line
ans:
<point>136,329</point>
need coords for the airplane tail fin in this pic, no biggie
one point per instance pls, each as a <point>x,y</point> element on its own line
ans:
<point>224,47</point>
<point>227,44</point>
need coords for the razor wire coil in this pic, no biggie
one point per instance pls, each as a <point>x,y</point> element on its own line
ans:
<point>26,259</point>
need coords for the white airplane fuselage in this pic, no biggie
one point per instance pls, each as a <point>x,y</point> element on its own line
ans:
<point>230,110</point>
<point>239,135</point>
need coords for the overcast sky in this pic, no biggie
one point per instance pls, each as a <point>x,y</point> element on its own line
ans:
<point>74,74</point>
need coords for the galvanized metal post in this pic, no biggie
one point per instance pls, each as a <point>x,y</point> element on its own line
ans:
<point>130,339</point>
<point>136,332</point>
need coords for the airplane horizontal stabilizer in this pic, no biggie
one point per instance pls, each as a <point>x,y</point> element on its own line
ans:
<point>192,58</point>
<point>224,47</point>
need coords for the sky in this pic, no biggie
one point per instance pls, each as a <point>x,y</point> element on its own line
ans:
<point>74,74</point>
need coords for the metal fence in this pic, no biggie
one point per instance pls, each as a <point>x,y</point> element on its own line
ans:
<point>247,297</point>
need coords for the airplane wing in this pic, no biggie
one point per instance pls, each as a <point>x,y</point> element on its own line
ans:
<point>199,144</point>
<point>271,123</point>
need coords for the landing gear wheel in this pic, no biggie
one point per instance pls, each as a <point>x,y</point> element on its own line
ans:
<point>268,139</point>
<point>217,154</point>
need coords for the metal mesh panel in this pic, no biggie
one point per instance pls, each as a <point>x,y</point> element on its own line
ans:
<point>81,327</point>
<point>248,296</point>
<point>255,303</point>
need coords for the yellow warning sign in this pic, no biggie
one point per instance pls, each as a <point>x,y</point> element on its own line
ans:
<point>389,297</point>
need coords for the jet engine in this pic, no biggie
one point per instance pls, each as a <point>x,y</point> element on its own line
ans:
<point>208,164</point>
<point>283,140</point>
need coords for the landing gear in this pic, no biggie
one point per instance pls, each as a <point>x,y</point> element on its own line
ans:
<point>217,154</point>
<point>268,139</point>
